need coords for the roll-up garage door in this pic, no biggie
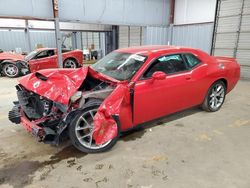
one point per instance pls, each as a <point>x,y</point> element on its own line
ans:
<point>232,32</point>
<point>123,36</point>
<point>130,36</point>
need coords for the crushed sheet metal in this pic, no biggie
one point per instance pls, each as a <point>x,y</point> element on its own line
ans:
<point>105,127</point>
<point>60,85</point>
<point>99,94</point>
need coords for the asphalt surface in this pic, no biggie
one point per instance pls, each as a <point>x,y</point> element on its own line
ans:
<point>188,149</point>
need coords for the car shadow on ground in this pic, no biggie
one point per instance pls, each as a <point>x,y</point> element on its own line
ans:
<point>139,130</point>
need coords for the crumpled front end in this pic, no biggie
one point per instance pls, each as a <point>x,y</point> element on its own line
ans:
<point>23,66</point>
<point>49,100</point>
<point>44,101</point>
<point>55,84</point>
<point>38,115</point>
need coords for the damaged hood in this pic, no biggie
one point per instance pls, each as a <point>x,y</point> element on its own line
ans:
<point>11,56</point>
<point>55,84</point>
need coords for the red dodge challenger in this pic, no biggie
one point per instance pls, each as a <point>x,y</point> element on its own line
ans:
<point>93,105</point>
<point>13,65</point>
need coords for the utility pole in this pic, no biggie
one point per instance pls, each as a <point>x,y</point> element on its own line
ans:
<point>27,35</point>
<point>57,34</point>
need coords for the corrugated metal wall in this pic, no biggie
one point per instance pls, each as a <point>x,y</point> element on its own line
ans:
<point>12,39</point>
<point>232,32</point>
<point>157,35</point>
<point>194,35</point>
<point>46,38</point>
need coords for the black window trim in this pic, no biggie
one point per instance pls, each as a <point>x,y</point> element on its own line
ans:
<point>42,52</point>
<point>153,60</point>
<point>191,68</point>
<point>182,56</point>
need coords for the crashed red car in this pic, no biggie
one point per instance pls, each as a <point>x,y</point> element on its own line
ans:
<point>13,65</point>
<point>10,63</point>
<point>125,89</point>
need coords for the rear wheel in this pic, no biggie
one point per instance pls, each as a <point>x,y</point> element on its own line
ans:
<point>11,70</point>
<point>215,97</point>
<point>70,63</point>
<point>81,131</point>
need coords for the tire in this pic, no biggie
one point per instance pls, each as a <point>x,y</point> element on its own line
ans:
<point>70,63</point>
<point>11,70</point>
<point>215,97</point>
<point>82,144</point>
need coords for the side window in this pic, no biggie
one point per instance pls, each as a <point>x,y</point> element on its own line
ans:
<point>42,54</point>
<point>192,61</point>
<point>51,52</point>
<point>169,64</point>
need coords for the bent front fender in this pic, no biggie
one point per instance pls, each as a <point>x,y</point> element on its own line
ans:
<point>108,119</point>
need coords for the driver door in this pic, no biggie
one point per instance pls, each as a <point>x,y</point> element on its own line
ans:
<point>156,98</point>
<point>44,60</point>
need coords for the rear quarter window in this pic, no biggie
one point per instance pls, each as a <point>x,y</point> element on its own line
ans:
<point>192,60</point>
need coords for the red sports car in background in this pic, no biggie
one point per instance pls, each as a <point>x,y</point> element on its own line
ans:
<point>13,65</point>
<point>8,61</point>
<point>128,87</point>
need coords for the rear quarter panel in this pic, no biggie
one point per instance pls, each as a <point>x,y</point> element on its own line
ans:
<point>231,71</point>
<point>75,54</point>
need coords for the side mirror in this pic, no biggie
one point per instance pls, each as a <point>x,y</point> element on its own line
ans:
<point>159,75</point>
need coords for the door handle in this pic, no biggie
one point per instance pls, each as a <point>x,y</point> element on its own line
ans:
<point>188,78</point>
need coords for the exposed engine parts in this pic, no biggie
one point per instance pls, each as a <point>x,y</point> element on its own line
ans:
<point>50,117</point>
<point>92,88</point>
<point>97,94</point>
<point>34,106</point>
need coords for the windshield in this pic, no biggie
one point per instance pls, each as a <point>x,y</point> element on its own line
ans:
<point>30,55</point>
<point>121,66</point>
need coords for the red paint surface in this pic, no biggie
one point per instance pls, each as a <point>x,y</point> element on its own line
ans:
<point>27,124</point>
<point>60,86</point>
<point>51,62</point>
<point>157,98</point>
<point>11,56</point>
<point>46,62</point>
<point>152,98</point>
<point>105,127</point>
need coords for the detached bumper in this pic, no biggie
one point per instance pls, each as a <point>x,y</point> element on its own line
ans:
<point>16,115</point>
<point>42,133</point>
<point>32,127</point>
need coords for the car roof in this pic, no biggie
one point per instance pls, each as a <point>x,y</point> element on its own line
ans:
<point>149,49</point>
<point>42,49</point>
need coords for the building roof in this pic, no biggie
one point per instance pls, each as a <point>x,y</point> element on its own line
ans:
<point>42,49</point>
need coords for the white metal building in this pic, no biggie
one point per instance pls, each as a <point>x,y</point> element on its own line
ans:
<point>219,27</point>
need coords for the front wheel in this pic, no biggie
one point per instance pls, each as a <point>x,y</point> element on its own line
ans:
<point>81,131</point>
<point>11,70</point>
<point>215,97</point>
